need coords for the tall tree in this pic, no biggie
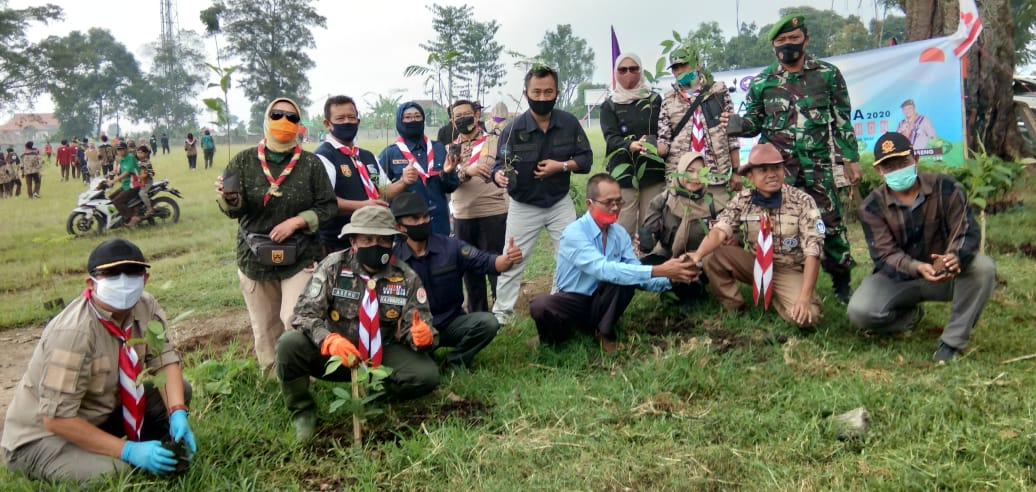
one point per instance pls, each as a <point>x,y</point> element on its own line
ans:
<point>991,118</point>
<point>165,96</point>
<point>88,73</point>
<point>22,74</point>
<point>450,24</point>
<point>271,37</point>
<point>746,50</point>
<point>882,31</point>
<point>851,37</point>
<point>571,56</point>
<point>480,58</point>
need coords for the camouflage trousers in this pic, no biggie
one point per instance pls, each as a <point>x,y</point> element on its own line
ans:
<point>837,253</point>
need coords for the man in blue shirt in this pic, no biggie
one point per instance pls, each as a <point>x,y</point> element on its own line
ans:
<point>441,262</point>
<point>598,272</point>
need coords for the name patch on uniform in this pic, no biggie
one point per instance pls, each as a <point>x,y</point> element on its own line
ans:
<point>348,294</point>
<point>790,243</point>
<point>394,290</point>
<point>821,228</point>
<point>750,218</point>
<point>400,161</point>
<point>393,300</point>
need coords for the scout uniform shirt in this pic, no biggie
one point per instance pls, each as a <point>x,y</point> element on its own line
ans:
<point>474,197</point>
<point>31,163</point>
<point>331,302</point>
<point>668,210</point>
<point>798,231</point>
<point>805,114</point>
<point>717,143</point>
<point>74,370</point>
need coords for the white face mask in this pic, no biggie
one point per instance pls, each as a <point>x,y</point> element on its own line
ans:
<point>120,292</point>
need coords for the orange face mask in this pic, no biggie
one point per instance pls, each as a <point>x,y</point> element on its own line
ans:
<point>283,130</point>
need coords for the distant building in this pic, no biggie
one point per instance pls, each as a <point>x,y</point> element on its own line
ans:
<point>22,127</point>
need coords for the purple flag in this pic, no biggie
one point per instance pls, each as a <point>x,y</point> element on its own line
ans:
<point>615,54</point>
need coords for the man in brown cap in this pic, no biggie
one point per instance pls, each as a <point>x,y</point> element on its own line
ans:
<point>782,228</point>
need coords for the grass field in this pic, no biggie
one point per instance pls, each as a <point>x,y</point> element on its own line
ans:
<point>712,402</point>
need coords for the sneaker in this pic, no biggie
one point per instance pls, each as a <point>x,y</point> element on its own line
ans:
<point>945,353</point>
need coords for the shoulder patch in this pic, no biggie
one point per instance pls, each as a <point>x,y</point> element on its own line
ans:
<point>821,228</point>
<point>421,295</point>
<point>315,289</point>
<point>467,251</point>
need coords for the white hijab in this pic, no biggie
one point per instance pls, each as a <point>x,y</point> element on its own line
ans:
<point>621,95</point>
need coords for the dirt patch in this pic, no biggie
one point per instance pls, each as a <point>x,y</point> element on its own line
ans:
<point>313,481</point>
<point>724,341</point>
<point>18,344</point>
<point>405,422</point>
<point>1028,248</point>
<point>532,288</point>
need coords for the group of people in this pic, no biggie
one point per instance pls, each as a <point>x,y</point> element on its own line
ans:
<point>341,254</point>
<point>15,168</point>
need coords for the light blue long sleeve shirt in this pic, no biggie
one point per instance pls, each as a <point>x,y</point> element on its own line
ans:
<point>583,262</point>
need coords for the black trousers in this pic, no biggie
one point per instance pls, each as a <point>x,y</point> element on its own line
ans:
<point>156,422</point>
<point>558,315</point>
<point>487,234</point>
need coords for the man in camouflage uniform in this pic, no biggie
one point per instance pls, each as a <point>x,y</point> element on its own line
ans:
<point>702,131</point>
<point>798,237</point>
<point>330,315</point>
<point>31,166</point>
<point>801,105</point>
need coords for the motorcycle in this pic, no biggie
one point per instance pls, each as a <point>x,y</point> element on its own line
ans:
<point>95,213</point>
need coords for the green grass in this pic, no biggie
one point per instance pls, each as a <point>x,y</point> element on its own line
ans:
<point>669,412</point>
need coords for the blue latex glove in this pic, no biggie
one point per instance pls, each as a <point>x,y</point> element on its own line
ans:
<point>181,431</point>
<point>149,455</point>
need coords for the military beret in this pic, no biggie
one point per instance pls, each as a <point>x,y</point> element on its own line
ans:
<point>787,23</point>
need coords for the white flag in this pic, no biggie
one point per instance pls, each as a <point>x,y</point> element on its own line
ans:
<point>969,28</point>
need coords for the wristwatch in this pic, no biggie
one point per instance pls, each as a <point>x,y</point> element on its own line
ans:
<point>564,166</point>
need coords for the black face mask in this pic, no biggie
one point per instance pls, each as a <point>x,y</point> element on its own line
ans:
<point>345,132</point>
<point>419,232</point>
<point>413,130</point>
<point>374,257</point>
<point>771,202</point>
<point>542,108</point>
<point>466,124</point>
<point>789,53</point>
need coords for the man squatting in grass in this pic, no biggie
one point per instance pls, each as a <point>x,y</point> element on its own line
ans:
<point>79,395</point>
<point>924,242</point>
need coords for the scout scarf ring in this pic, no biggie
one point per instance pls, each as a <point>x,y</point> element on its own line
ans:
<point>275,184</point>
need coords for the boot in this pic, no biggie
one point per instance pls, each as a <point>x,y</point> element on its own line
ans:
<point>840,284</point>
<point>302,406</point>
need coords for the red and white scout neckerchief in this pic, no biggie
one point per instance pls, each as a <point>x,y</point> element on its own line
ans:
<point>361,169</point>
<point>697,128</point>
<point>129,369</point>
<point>763,269</point>
<point>423,172</point>
<point>476,149</point>
<point>275,184</point>
<point>370,324</point>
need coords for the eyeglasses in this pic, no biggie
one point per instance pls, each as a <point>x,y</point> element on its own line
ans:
<point>618,202</point>
<point>633,69</point>
<point>290,115</point>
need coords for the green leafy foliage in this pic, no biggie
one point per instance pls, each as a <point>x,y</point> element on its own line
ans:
<point>371,382</point>
<point>22,76</point>
<point>572,58</point>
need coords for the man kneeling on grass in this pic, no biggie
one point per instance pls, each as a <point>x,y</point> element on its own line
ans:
<point>363,305</point>
<point>784,236</point>
<point>924,242</point>
<point>80,394</point>
<point>598,272</point>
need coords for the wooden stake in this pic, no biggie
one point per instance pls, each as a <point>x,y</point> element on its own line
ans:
<point>357,432</point>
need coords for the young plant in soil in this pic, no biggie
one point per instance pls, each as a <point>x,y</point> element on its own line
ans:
<point>368,384</point>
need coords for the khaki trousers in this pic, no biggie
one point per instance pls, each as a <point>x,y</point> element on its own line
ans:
<point>729,264</point>
<point>271,306</point>
<point>635,207</point>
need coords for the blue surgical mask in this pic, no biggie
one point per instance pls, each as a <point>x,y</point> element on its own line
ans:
<point>687,78</point>
<point>902,179</point>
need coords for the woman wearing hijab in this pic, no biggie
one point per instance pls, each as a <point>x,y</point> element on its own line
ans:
<point>190,145</point>
<point>279,195</point>
<point>418,164</point>
<point>629,119</point>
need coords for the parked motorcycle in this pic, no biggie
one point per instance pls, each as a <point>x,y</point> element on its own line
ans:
<point>95,213</point>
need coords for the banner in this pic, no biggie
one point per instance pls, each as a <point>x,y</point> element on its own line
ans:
<point>912,88</point>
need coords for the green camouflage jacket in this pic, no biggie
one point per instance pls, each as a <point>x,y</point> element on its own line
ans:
<point>331,301</point>
<point>805,114</point>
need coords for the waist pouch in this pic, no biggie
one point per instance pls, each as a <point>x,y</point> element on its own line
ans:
<point>269,253</point>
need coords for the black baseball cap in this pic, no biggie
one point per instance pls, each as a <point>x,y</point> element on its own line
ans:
<point>122,146</point>
<point>113,253</point>
<point>891,144</point>
<point>408,203</point>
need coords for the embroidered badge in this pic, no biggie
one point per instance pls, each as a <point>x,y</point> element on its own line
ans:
<point>790,243</point>
<point>887,146</point>
<point>421,295</point>
<point>821,228</point>
<point>334,315</point>
<point>346,272</point>
<point>397,278</point>
<point>391,313</point>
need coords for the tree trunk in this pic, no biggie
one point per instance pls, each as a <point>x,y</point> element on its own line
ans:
<point>991,119</point>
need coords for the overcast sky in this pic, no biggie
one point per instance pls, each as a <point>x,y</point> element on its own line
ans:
<point>376,39</point>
